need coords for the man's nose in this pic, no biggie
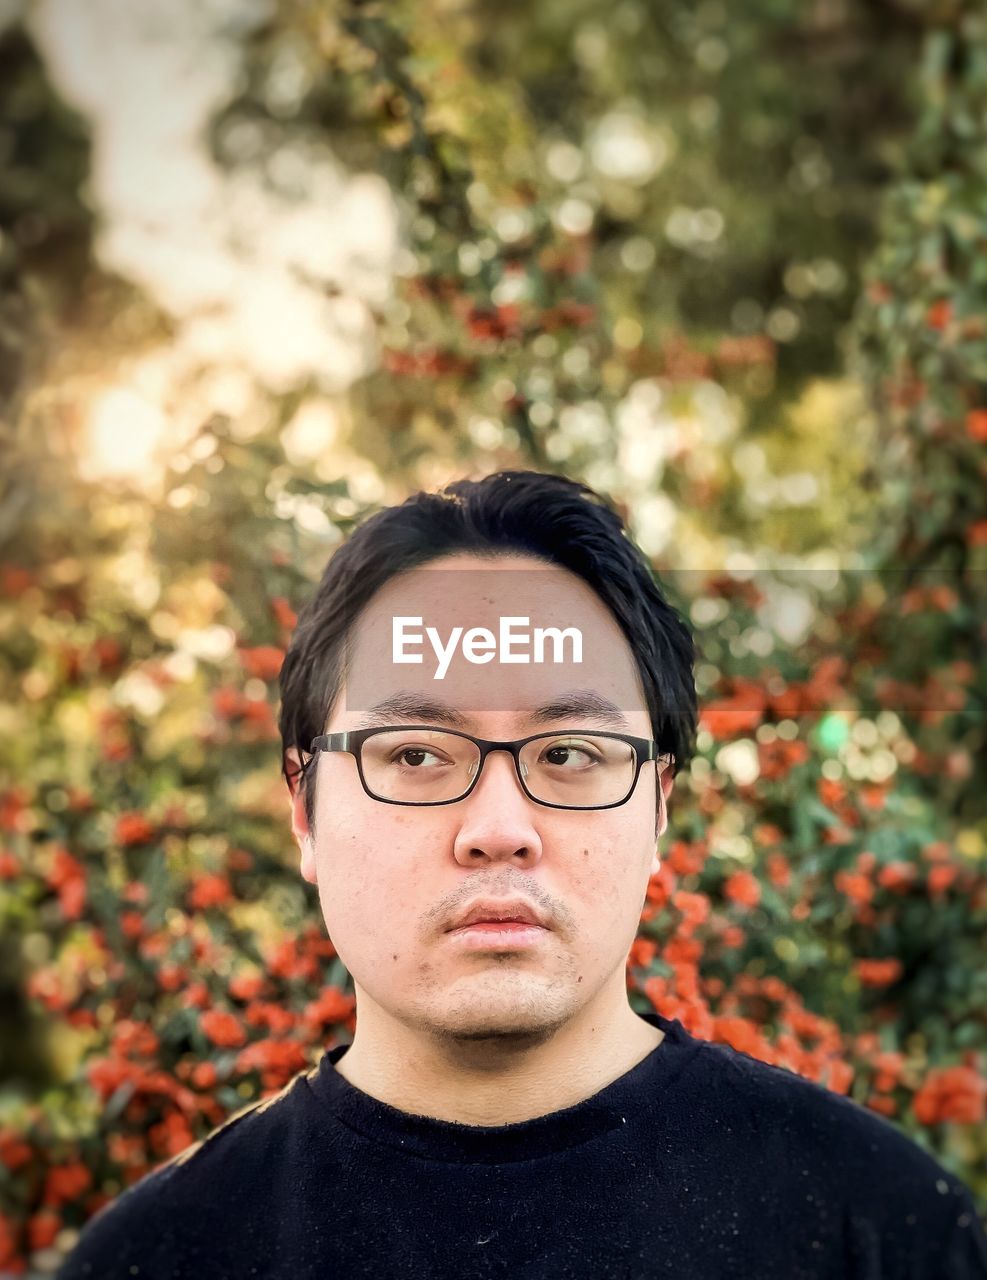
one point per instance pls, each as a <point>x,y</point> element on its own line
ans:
<point>498,818</point>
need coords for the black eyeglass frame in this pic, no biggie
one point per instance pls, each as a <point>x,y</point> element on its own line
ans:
<point>352,741</point>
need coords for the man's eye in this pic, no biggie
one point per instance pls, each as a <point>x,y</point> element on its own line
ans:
<point>565,753</point>
<point>413,757</point>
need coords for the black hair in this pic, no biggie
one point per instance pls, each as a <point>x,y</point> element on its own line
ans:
<point>549,517</point>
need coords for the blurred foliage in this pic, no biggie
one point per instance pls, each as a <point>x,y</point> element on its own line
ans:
<point>573,181</point>
<point>45,157</point>
<point>649,246</point>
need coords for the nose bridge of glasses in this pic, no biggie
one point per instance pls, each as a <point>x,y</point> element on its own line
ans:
<point>474,764</point>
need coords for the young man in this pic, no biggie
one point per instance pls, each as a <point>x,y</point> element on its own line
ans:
<point>483,710</point>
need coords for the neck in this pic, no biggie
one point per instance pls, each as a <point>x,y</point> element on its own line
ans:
<point>498,1079</point>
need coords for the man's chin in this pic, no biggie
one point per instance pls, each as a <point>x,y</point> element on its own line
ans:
<point>508,1029</point>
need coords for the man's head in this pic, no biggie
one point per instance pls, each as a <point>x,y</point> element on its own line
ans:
<point>392,878</point>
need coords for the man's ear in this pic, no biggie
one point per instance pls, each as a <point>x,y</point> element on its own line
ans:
<point>299,822</point>
<point>666,782</point>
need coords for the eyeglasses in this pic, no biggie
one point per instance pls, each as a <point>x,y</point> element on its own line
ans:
<point>421,765</point>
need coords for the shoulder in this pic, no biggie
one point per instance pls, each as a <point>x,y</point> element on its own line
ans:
<point>826,1144</point>
<point>183,1207</point>
<point>781,1105</point>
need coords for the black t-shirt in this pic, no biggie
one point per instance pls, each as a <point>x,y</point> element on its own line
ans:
<point>700,1162</point>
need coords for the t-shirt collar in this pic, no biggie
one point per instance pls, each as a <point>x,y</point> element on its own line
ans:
<point>615,1105</point>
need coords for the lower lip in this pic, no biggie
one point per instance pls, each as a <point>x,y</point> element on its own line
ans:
<point>498,934</point>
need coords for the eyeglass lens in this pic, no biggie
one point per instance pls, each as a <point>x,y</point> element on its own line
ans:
<point>577,769</point>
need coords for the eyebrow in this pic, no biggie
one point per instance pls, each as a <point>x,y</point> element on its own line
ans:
<point>581,704</point>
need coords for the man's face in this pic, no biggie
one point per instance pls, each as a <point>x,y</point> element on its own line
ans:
<point>392,879</point>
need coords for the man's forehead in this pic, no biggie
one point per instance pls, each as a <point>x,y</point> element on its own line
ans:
<point>407,707</point>
<point>511,640</point>
<point>485,585</point>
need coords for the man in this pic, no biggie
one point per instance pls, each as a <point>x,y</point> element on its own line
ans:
<point>483,710</point>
